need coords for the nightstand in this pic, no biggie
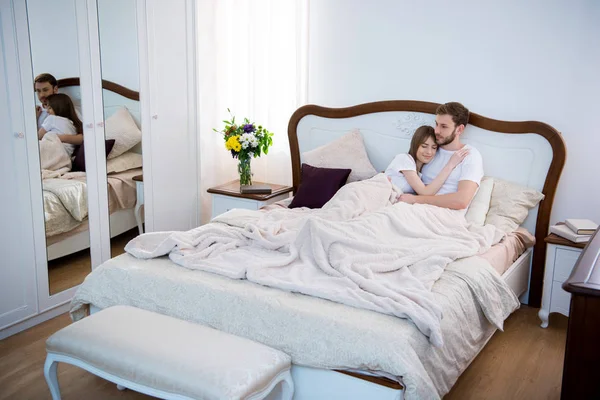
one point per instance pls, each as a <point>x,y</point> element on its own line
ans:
<point>228,196</point>
<point>139,190</point>
<point>561,256</point>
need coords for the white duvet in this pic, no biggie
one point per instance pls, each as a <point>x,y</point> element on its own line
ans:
<point>360,249</point>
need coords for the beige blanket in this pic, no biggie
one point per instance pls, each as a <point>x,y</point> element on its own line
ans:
<point>357,250</point>
<point>54,158</point>
<point>60,216</point>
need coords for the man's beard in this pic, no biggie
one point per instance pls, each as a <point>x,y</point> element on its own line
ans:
<point>447,140</point>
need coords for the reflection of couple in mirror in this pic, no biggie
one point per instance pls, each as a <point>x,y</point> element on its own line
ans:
<point>57,114</point>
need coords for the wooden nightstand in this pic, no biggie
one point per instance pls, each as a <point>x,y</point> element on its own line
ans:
<point>228,196</point>
<point>561,256</point>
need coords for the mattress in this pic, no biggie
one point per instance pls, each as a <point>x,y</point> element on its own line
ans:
<point>59,222</point>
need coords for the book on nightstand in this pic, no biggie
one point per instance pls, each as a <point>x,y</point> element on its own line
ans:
<point>564,231</point>
<point>582,226</point>
<point>256,189</point>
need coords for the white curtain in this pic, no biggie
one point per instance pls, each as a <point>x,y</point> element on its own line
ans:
<point>252,59</point>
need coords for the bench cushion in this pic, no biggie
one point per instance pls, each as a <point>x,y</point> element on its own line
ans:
<point>170,354</point>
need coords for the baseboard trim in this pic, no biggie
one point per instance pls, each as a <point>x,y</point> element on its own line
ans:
<point>35,320</point>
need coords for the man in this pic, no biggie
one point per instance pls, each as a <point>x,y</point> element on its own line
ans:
<point>462,184</point>
<point>44,85</point>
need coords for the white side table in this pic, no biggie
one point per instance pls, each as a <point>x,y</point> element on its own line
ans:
<point>228,196</point>
<point>139,190</point>
<point>561,256</point>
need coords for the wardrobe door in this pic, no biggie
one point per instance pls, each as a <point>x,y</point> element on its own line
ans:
<point>168,92</point>
<point>17,265</point>
<point>118,37</point>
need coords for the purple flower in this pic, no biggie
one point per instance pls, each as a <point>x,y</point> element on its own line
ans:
<point>249,128</point>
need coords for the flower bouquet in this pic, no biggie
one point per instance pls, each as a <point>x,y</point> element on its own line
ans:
<point>245,141</point>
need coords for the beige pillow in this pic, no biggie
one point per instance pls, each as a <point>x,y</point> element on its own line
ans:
<point>122,128</point>
<point>480,205</point>
<point>346,152</point>
<point>510,204</point>
<point>124,162</point>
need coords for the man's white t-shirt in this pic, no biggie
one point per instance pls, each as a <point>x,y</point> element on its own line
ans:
<point>42,117</point>
<point>402,162</point>
<point>470,169</point>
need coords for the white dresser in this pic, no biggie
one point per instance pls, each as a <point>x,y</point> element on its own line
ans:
<point>561,256</point>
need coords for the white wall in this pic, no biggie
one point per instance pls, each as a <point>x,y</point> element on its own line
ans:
<point>118,42</point>
<point>53,37</point>
<point>510,60</point>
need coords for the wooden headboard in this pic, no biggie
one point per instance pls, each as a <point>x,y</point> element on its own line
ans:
<point>108,85</point>
<point>530,153</point>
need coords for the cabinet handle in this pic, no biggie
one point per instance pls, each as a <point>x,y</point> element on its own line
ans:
<point>155,116</point>
<point>19,135</point>
<point>100,124</point>
<point>90,125</point>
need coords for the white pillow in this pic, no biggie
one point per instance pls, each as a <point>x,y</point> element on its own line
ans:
<point>124,162</point>
<point>346,152</point>
<point>480,205</point>
<point>122,128</point>
<point>510,204</point>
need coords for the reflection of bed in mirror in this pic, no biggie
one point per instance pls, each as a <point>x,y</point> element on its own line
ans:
<point>66,231</point>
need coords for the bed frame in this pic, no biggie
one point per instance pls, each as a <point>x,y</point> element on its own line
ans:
<point>536,154</point>
<point>114,96</point>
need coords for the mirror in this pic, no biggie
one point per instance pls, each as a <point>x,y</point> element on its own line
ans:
<point>55,59</point>
<point>117,30</point>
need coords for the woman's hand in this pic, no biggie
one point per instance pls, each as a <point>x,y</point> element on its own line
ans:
<point>458,157</point>
<point>408,198</point>
<point>41,133</point>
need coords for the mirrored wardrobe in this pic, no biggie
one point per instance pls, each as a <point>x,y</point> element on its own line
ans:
<point>59,115</point>
<point>79,79</point>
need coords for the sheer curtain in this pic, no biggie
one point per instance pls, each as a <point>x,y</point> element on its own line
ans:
<point>252,59</point>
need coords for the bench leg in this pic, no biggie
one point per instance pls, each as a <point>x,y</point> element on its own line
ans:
<point>287,387</point>
<point>121,387</point>
<point>51,376</point>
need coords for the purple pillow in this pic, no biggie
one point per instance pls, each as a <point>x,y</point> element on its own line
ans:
<point>318,186</point>
<point>79,160</point>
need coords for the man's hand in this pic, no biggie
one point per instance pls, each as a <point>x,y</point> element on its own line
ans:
<point>408,198</point>
<point>38,111</point>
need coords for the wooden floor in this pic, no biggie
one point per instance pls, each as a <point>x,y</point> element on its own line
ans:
<point>71,270</point>
<point>524,362</point>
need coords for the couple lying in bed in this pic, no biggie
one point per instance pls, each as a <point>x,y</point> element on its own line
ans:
<point>440,169</point>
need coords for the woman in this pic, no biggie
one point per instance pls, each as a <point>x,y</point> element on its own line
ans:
<point>405,170</point>
<point>63,121</point>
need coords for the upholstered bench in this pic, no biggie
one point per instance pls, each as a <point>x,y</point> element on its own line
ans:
<point>168,358</point>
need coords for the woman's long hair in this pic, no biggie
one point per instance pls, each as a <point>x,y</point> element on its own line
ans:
<point>63,107</point>
<point>419,137</point>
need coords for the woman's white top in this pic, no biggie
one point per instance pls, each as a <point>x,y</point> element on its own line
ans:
<point>60,126</point>
<point>402,162</point>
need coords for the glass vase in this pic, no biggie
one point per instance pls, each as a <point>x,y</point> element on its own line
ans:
<point>245,171</point>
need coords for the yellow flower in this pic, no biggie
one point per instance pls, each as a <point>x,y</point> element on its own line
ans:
<point>233,143</point>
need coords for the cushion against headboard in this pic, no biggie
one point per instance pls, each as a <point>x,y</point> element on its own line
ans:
<point>112,102</point>
<point>520,158</point>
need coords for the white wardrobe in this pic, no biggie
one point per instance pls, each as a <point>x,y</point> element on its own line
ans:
<point>167,118</point>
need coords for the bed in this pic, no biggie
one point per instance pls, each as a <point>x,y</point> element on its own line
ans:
<point>67,234</point>
<point>340,351</point>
